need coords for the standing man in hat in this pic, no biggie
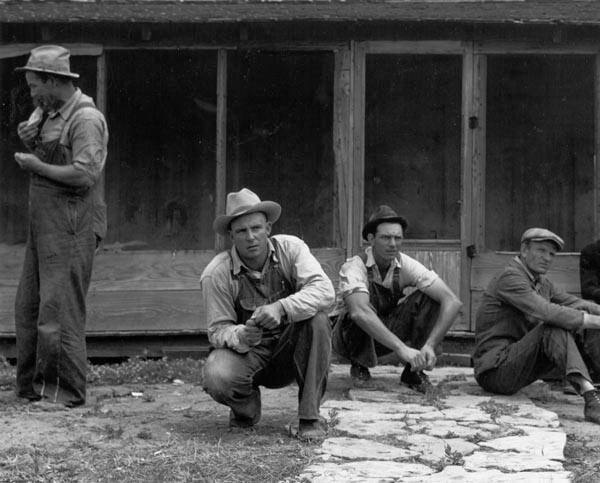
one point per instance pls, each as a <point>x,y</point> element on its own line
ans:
<point>374,317</point>
<point>528,329</point>
<point>266,301</point>
<point>66,137</point>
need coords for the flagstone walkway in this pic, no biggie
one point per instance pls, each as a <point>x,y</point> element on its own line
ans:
<point>385,432</point>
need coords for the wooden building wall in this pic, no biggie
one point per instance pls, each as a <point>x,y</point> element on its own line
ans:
<point>329,129</point>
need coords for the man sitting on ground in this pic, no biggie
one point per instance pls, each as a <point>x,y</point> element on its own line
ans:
<point>528,329</point>
<point>373,315</point>
<point>266,302</point>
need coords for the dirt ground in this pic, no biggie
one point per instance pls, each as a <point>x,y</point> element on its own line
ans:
<point>175,432</point>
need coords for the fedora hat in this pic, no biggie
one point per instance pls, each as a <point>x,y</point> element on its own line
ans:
<point>50,59</point>
<point>244,202</point>
<point>382,214</point>
<point>542,234</point>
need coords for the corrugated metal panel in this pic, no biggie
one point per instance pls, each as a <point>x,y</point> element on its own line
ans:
<point>578,12</point>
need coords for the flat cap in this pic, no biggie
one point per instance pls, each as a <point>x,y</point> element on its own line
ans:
<point>542,234</point>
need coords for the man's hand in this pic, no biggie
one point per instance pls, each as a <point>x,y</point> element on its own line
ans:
<point>430,358</point>
<point>250,335</point>
<point>413,357</point>
<point>27,161</point>
<point>27,132</point>
<point>269,316</point>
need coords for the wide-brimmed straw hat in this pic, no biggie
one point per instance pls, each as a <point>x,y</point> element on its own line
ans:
<point>542,234</point>
<point>244,202</point>
<point>382,214</point>
<point>50,59</point>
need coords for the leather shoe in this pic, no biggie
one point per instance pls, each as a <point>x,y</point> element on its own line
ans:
<point>417,381</point>
<point>359,373</point>
<point>311,429</point>
<point>240,421</point>
<point>591,410</point>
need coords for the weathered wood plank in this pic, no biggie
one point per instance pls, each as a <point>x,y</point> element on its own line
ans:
<point>221,154</point>
<point>415,47</point>
<point>357,160</point>
<point>447,264</point>
<point>138,292</point>
<point>342,143</point>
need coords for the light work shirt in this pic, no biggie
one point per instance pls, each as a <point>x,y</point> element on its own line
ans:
<point>314,291</point>
<point>354,278</point>
<point>85,134</point>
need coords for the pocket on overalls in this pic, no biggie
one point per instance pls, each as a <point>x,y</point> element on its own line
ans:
<point>72,215</point>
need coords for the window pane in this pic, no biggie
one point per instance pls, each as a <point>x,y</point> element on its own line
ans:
<point>16,106</point>
<point>540,148</point>
<point>280,137</point>
<point>160,170</point>
<point>412,141</point>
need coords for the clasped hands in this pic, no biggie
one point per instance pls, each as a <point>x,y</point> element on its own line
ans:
<point>264,317</point>
<point>419,360</point>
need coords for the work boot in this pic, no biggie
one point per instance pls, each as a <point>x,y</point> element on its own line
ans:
<point>240,421</point>
<point>417,381</point>
<point>591,410</point>
<point>311,429</point>
<point>359,373</point>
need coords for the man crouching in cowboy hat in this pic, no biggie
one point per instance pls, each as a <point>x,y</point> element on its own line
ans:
<point>374,317</point>
<point>266,301</point>
<point>66,137</point>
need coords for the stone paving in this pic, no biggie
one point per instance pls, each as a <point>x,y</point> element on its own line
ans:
<point>385,432</point>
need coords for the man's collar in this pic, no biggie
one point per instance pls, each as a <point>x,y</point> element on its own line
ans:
<point>66,109</point>
<point>520,263</point>
<point>396,262</point>
<point>238,264</point>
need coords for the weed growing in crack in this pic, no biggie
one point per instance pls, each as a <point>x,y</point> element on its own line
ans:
<point>496,409</point>
<point>334,419</point>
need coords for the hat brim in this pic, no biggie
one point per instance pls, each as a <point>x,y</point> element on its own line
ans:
<point>371,225</point>
<point>71,75</point>
<point>548,239</point>
<point>271,210</point>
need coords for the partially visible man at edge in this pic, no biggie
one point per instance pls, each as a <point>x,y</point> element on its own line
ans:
<point>266,302</point>
<point>67,139</point>
<point>374,317</point>
<point>527,329</point>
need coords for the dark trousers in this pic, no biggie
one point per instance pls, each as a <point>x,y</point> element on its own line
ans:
<point>545,351</point>
<point>411,321</point>
<point>50,305</point>
<point>302,354</point>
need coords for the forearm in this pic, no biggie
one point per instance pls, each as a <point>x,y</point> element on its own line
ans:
<point>448,313</point>
<point>374,327</point>
<point>66,174</point>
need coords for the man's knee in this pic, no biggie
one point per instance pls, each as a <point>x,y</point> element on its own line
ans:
<point>219,376</point>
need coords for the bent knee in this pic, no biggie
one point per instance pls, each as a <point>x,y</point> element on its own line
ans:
<point>217,374</point>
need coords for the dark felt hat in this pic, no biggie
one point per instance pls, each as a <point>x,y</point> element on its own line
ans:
<point>382,214</point>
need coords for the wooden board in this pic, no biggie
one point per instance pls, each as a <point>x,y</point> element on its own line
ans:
<point>138,292</point>
<point>446,263</point>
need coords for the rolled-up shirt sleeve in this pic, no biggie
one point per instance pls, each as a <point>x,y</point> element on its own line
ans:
<point>217,295</point>
<point>516,291</point>
<point>89,141</point>
<point>314,290</point>
<point>353,277</point>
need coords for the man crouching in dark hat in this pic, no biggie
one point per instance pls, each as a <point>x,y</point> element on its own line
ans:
<point>374,317</point>
<point>266,302</point>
